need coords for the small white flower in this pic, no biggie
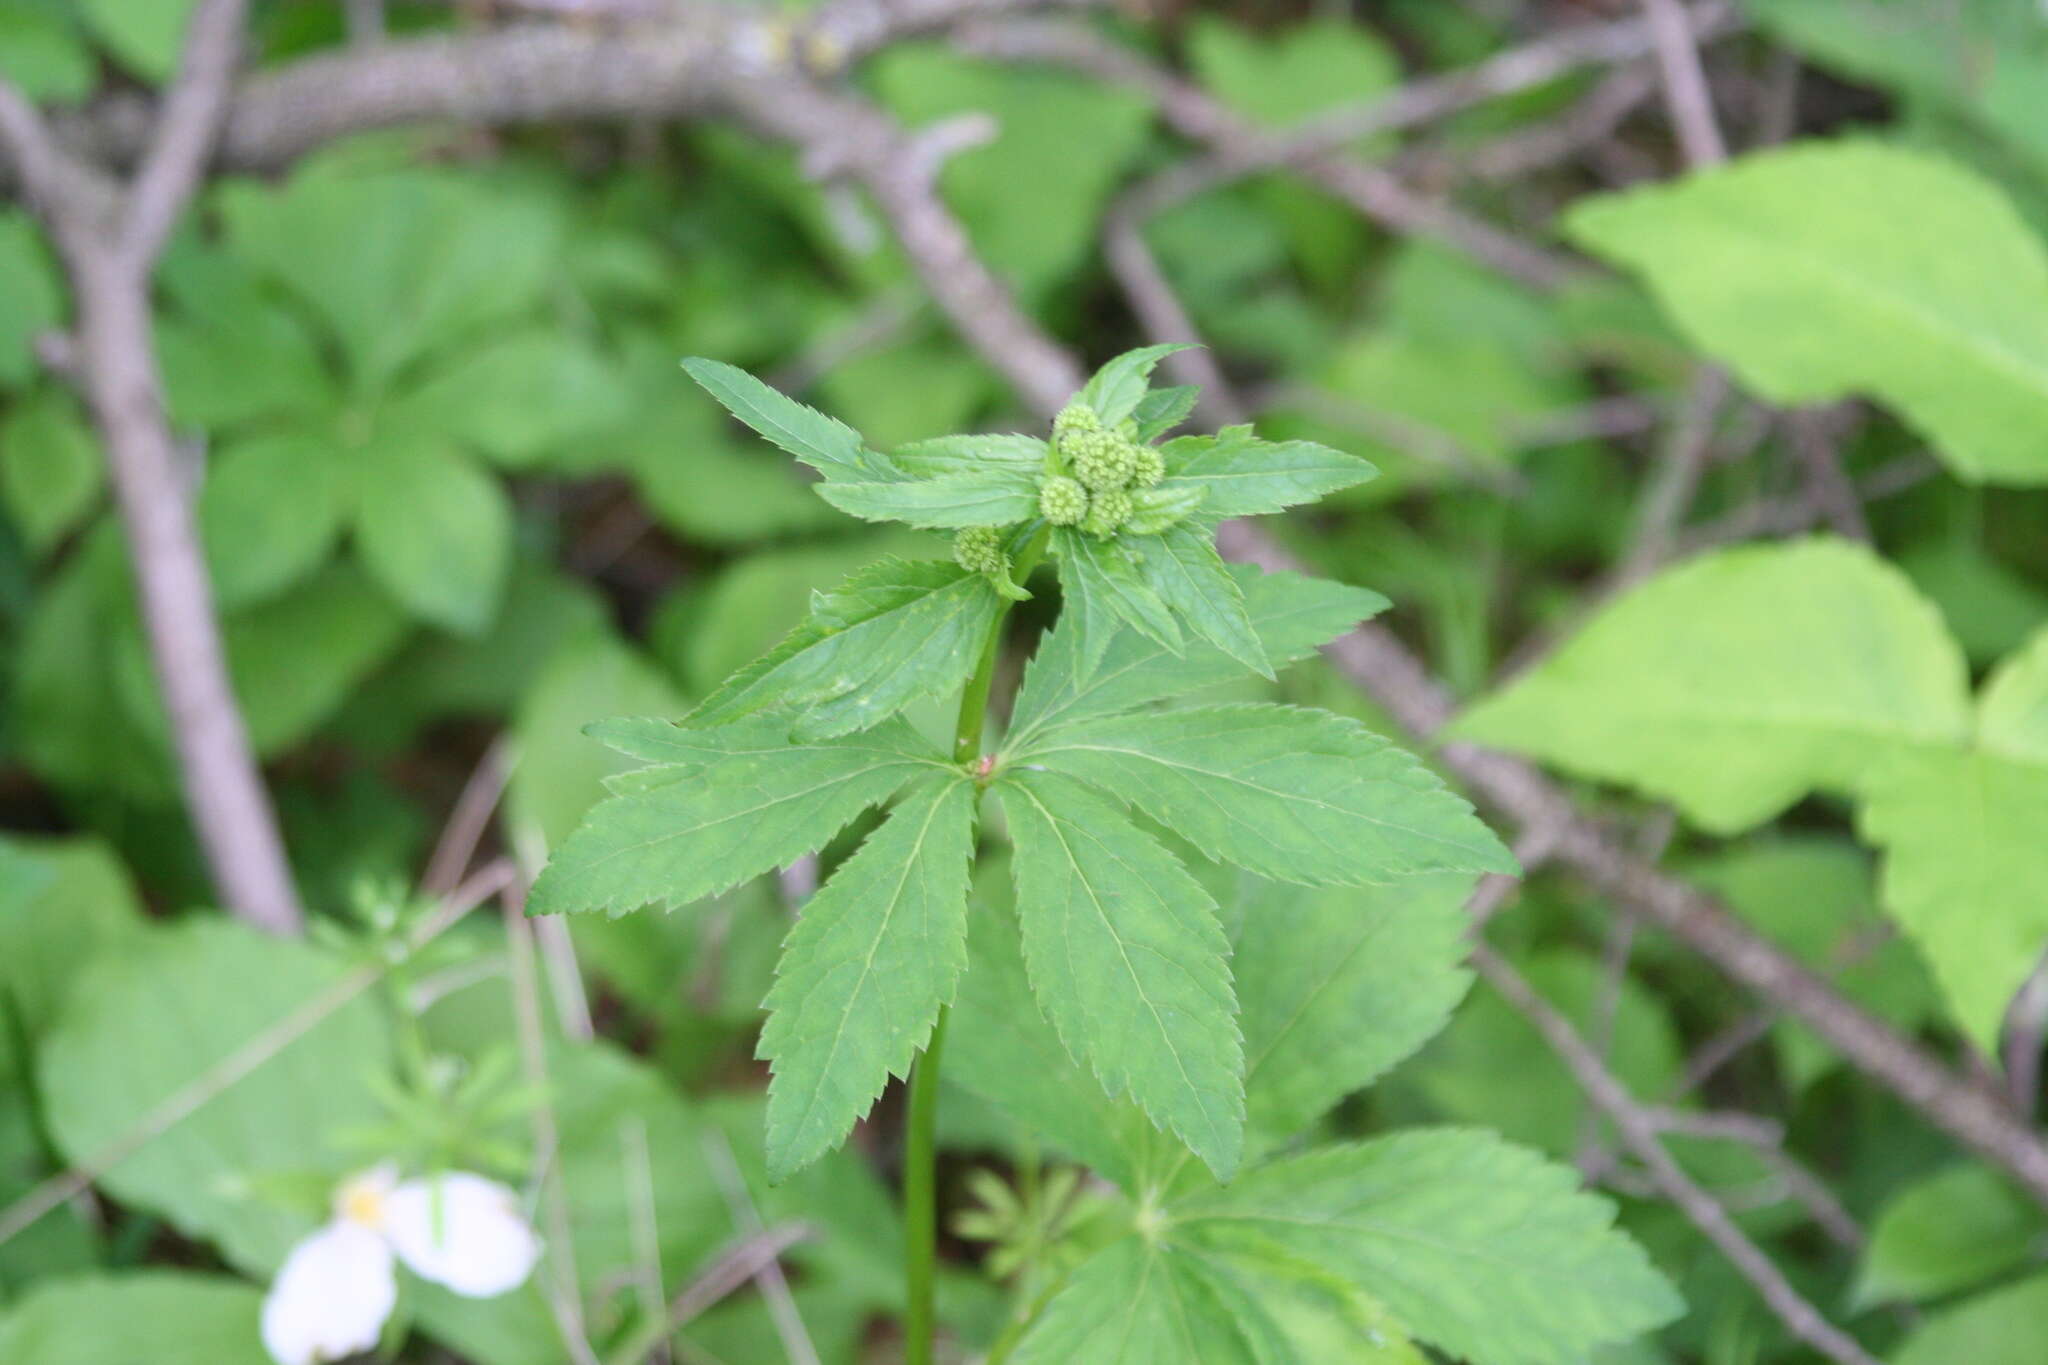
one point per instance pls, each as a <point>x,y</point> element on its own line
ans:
<point>337,1286</point>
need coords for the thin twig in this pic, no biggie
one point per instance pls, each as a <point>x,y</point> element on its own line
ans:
<point>1680,462</point>
<point>750,1259</point>
<point>563,1293</point>
<point>1640,1133</point>
<point>469,817</point>
<point>789,1323</point>
<point>1686,96</point>
<point>238,1065</point>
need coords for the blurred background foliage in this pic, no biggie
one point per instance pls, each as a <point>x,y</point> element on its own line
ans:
<point>453,487</point>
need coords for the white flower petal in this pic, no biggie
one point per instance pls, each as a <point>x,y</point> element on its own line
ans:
<point>331,1297</point>
<point>462,1231</point>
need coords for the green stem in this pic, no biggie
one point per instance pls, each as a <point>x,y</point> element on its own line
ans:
<point>920,1193</point>
<point>920,1198</point>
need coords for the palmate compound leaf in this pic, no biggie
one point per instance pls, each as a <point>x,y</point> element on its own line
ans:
<point>672,836</point>
<point>1291,794</point>
<point>1480,1248</point>
<point>1291,615</point>
<point>1822,270</point>
<point>1735,683</point>
<point>1128,960</point>
<point>863,974</point>
<point>1106,589</point>
<point>1246,476</point>
<point>895,631</point>
<point>1151,1303</point>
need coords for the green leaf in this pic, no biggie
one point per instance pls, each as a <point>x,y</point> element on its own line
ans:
<point>31,299</point>
<point>397,263</point>
<point>1954,1229</point>
<point>520,398</point>
<point>145,35</point>
<point>1161,410</point>
<point>1115,390</point>
<point>1335,987</point>
<point>270,512</point>
<point>166,1317</point>
<point>43,54</point>
<point>2012,711</point>
<point>233,352</point>
<point>998,495</point>
<point>1299,70</point>
<point>896,631</point>
<point>1291,614</point>
<point>1105,587</point>
<point>1246,476</point>
<point>1001,1048</point>
<point>62,903</point>
<point>1964,864</point>
<point>142,1024</point>
<point>732,819</point>
<point>1182,566</point>
<point>51,473</point>
<point>1481,1249</point>
<point>560,774</point>
<point>1127,961</point>
<point>1140,1303</point>
<point>827,445</point>
<point>943,455</point>
<point>2003,1327</point>
<point>1830,269</point>
<point>1294,795</point>
<point>436,531</point>
<point>875,954</point>
<point>297,658</point>
<point>1737,682</point>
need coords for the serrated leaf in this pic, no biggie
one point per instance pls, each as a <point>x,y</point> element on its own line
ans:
<point>1964,866</point>
<point>1161,410</point>
<point>1292,615</point>
<point>1155,510</point>
<point>1479,1248</point>
<point>1737,682</point>
<point>1127,961</point>
<point>1828,269</point>
<point>1103,587</point>
<point>1954,1229</point>
<point>895,631</point>
<point>1294,795</point>
<point>1182,566</point>
<point>999,495</point>
<point>942,455</point>
<point>875,954</point>
<point>1246,476</point>
<point>1147,1303</point>
<point>1334,987</point>
<point>1001,1048</point>
<point>826,444</point>
<point>715,826</point>
<point>1115,390</point>
<point>672,744</point>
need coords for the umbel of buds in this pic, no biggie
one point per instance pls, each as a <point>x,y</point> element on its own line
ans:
<point>979,549</point>
<point>1106,466</point>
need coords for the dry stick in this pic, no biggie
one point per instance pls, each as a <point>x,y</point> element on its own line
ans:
<point>109,241</point>
<point>1640,1133</point>
<point>469,818</point>
<point>243,1061</point>
<point>1686,96</point>
<point>1680,462</point>
<point>565,1303</point>
<point>789,1323</point>
<point>749,1260</point>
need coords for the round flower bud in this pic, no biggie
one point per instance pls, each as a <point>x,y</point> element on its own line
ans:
<point>1073,419</point>
<point>1061,500</point>
<point>979,549</point>
<point>1107,512</point>
<point>1102,460</point>
<point>1148,466</point>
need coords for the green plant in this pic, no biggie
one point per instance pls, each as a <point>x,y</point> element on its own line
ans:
<point>1450,1237</point>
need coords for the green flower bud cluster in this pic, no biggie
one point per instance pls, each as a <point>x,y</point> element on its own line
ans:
<point>979,549</point>
<point>1107,467</point>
